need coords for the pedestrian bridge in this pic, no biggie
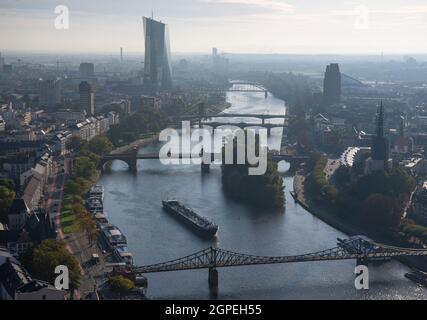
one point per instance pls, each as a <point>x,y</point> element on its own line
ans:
<point>211,258</point>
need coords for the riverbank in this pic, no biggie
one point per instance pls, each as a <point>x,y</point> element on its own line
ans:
<point>300,197</point>
<point>323,214</point>
<point>93,275</point>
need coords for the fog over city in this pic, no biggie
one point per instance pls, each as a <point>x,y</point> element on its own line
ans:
<point>238,26</point>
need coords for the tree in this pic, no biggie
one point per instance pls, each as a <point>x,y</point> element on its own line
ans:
<point>343,176</point>
<point>86,223</point>
<point>100,145</point>
<point>263,191</point>
<point>7,183</point>
<point>73,188</point>
<point>42,260</point>
<point>121,285</point>
<point>6,198</point>
<point>75,144</point>
<point>83,167</point>
<point>381,213</point>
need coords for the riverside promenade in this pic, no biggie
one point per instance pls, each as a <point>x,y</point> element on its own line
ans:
<point>94,276</point>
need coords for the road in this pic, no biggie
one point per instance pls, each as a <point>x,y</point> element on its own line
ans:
<point>331,166</point>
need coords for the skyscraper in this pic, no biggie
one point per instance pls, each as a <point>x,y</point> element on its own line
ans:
<point>157,68</point>
<point>87,98</point>
<point>87,70</point>
<point>49,93</point>
<point>332,85</point>
<point>1,62</point>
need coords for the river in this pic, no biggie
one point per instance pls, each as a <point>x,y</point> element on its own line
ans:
<point>133,203</point>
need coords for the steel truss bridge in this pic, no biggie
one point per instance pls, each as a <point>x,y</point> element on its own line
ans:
<point>212,258</point>
<point>238,86</point>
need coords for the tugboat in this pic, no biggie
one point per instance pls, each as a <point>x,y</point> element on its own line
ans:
<point>200,225</point>
<point>417,276</point>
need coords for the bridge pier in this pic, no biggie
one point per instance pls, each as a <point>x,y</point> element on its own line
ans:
<point>361,262</point>
<point>206,167</point>
<point>268,131</point>
<point>132,161</point>
<point>266,94</point>
<point>213,278</point>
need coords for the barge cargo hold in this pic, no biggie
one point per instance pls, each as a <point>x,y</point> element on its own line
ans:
<point>200,225</point>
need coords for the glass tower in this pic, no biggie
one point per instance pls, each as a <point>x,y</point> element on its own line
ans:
<point>157,67</point>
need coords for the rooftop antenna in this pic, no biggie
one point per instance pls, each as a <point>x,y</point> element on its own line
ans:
<point>152,14</point>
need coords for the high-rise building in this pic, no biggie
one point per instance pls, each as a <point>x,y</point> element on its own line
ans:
<point>1,62</point>
<point>87,98</point>
<point>49,93</point>
<point>332,85</point>
<point>157,67</point>
<point>87,70</point>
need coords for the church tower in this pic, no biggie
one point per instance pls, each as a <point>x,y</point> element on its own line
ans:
<point>380,151</point>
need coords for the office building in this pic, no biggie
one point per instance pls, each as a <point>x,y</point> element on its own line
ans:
<point>332,85</point>
<point>157,67</point>
<point>87,98</point>
<point>49,93</point>
<point>87,71</point>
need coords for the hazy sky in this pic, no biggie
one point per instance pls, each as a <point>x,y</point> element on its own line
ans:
<point>240,26</point>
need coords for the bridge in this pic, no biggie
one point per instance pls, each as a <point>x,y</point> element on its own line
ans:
<point>132,157</point>
<point>243,125</point>
<point>238,86</point>
<point>212,258</point>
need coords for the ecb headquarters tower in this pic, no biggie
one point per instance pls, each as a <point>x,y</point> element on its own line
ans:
<point>157,67</point>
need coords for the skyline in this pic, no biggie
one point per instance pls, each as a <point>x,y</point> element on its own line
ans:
<point>249,26</point>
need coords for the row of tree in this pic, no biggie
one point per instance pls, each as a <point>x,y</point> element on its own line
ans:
<point>131,128</point>
<point>83,172</point>
<point>7,194</point>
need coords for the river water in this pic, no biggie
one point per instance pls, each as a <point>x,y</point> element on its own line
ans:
<point>133,203</point>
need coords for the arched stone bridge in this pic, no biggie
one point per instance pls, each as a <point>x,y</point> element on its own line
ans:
<point>131,158</point>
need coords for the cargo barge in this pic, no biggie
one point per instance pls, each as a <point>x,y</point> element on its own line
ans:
<point>200,225</point>
<point>417,276</point>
